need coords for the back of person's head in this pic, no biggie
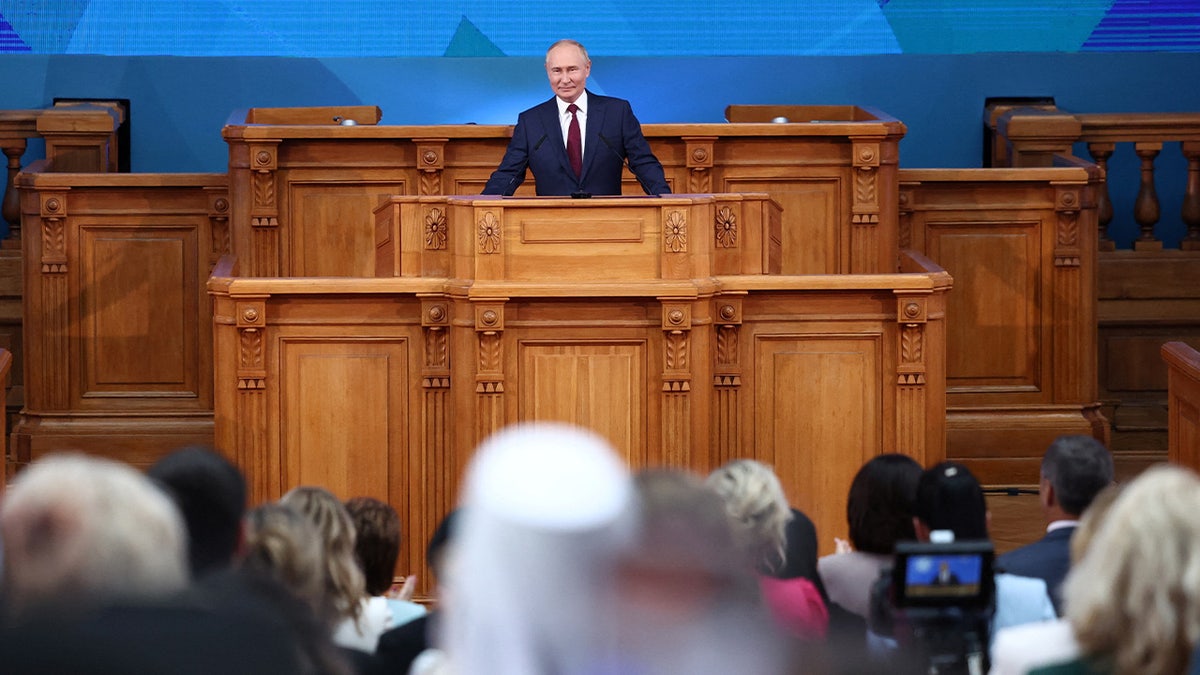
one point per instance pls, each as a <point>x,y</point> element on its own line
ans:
<point>79,530</point>
<point>211,494</point>
<point>950,498</point>
<point>546,510</point>
<point>1090,521</point>
<point>440,541</point>
<point>344,582</point>
<point>685,536</point>
<point>282,544</point>
<point>377,541</point>
<point>1078,467</point>
<point>758,509</point>
<point>879,509</point>
<point>1133,600</point>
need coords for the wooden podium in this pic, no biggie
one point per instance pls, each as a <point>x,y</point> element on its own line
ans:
<point>658,322</point>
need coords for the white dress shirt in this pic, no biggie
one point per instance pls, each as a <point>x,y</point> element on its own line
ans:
<point>564,120</point>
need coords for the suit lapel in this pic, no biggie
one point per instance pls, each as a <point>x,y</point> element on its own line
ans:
<point>591,141</point>
<point>552,127</point>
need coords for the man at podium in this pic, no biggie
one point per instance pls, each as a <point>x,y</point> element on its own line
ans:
<point>577,142</point>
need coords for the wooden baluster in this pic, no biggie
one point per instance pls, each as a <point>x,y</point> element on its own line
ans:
<point>1191,197</point>
<point>10,208</point>
<point>1100,153</point>
<point>1145,208</point>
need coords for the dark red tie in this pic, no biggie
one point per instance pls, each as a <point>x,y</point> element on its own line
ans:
<point>574,142</point>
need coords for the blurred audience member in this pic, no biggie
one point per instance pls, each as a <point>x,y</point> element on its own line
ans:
<point>687,600</point>
<point>950,498</point>
<point>211,494</point>
<point>1021,649</point>
<point>345,587</point>
<point>759,512</point>
<point>400,646</point>
<point>879,513</point>
<point>1074,470</point>
<point>1133,600</point>
<point>547,509</point>
<point>377,547</point>
<point>82,531</point>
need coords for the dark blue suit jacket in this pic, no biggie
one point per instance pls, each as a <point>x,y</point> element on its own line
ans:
<point>613,135</point>
<point>1048,558</point>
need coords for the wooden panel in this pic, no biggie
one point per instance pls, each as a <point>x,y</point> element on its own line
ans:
<point>545,244</point>
<point>817,418</point>
<point>994,343</point>
<point>140,311</point>
<point>812,244</point>
<point>332,231</point>
<point>595,385</point>
<point>1183,427</point>
<point>343,414</point>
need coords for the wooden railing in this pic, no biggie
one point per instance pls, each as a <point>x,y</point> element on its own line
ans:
<point>1183,427</point>
<point>1146,296</point>
<point>79,138</point>
<point>1034,136</point>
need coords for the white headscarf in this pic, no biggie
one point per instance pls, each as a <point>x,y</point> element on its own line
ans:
<point>547,510</point>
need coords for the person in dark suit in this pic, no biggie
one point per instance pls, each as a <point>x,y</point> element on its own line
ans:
<point>577,142</point>
<point>1074,470</point>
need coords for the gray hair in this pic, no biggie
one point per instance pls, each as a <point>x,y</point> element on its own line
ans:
<point>80,529</point>
<point>1134,599</point>
<point>573,43</point>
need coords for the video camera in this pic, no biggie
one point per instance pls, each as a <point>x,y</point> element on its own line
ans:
<point>937,601</point>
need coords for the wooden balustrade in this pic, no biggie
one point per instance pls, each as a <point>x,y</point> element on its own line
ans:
<point>1034,136</point>
<point>1183,386</point>
<point>79,138</point>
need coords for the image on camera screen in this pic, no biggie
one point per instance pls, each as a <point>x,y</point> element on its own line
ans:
<point>943,575</point>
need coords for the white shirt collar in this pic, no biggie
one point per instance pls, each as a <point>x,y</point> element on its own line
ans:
<point>582,102</point>
<point>1060,524</point>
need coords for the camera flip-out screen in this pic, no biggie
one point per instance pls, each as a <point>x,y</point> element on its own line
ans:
<point>943,575</point>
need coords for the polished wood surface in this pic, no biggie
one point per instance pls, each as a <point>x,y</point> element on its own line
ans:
<point>385,385</point>
<point>1183,402</point>
<point>118,346</point>
<point>1021,349</point>
<point>301,192</point>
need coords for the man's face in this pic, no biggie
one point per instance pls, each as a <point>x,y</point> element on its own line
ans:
<point>568,71</point>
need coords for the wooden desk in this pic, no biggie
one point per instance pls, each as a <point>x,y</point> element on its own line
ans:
<point>302,192</point>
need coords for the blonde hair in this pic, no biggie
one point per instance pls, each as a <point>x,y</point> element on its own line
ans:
<point>283,544</point>
<point>344,580</point>
<point>758,510</point>
<point>1133,601</point>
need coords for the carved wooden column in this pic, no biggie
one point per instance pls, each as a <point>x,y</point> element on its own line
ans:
<point>1191,197</point>
<point>431,153</point>
<point>489,372</point>
<point>912,314</point>
<point>1100,153</point>
<point>864,233</point>
<point>1073,303</point>
<point>1145,207</point>
<point>55,317</point>
<point>264,209</point>
<point>904,232</point>
<point>699,163</point>
<point>436,443</point>
<point>218,225</point>
<point>259,464</point>
<point>677,383</point>
<point>10,208</point>
<point>727,381</point>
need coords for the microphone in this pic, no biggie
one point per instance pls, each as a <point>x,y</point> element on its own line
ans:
<point>625,162</point>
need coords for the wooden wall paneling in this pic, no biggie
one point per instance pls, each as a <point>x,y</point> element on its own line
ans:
<point>121,356</point>
<point>1021,356</point>
<point>1183,404</point>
